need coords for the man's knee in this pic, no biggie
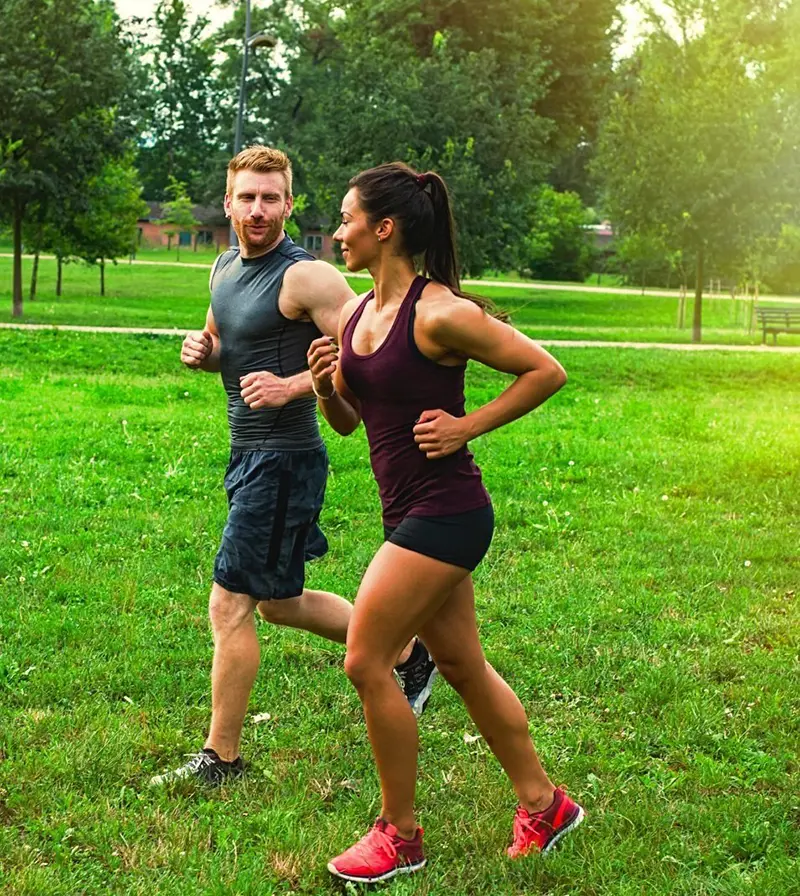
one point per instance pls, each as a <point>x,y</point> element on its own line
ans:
<point>279,612</point>
<point>228,610</point>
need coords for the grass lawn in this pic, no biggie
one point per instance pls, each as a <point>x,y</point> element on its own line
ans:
<point>146,296</point>
<point>640,596</point>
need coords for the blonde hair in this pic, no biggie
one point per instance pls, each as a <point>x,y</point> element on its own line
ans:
<point>261,159</point>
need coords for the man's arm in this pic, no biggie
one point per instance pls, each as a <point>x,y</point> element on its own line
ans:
<point>315,290</point>
<point>200,349</point>
<point>312,290</point>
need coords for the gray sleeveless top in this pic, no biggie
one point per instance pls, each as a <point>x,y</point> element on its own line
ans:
<point>254,335</point>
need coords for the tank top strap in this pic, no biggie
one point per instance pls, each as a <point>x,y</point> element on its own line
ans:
<point>355,317</point>
<point>406,311</point>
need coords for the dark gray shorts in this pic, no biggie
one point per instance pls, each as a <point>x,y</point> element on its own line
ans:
<point>274,502</point>
<point>461,539</point>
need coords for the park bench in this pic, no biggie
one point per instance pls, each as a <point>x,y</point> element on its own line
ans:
<point>778,319</point>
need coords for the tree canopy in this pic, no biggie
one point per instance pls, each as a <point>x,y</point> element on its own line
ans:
<point>699,148</point>
<point>64,74</point>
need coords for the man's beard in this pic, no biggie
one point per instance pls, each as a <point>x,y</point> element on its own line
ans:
<point>271,233</point>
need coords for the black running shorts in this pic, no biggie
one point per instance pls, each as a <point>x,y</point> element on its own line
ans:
<point>460,540</point>
<point>274,501</point>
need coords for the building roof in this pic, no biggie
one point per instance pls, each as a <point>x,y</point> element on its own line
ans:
<point>209,215</point>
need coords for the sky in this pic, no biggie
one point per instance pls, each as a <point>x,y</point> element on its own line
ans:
<point>144,8</point>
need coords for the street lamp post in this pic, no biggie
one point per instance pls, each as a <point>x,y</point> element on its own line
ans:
<point>251,42</point>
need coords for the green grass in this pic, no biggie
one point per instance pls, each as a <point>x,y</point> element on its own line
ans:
<point>206,255</point>
<point>640,596</point>
<point>166,296</point>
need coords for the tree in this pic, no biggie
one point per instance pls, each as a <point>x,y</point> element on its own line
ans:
<point>183,125</point>
<point>776,262</point>
<point>107,227</point>
<point>700,147</point>
<point>64,73</point>
<point>557,245</point>
<point>471,90</point>
<point>177,214</point>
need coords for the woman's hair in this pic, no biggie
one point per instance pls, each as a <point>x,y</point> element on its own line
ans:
<point>419,204</point>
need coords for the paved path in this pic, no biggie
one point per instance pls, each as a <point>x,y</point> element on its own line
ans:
<point>558,343</point>
<point>509,284</point>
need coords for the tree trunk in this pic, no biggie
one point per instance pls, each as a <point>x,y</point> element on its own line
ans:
<point>17,290</point>
<point>59,269</point>
<point>102,277</point>
<point>682,309</point>
<point>34,275</point>
<point>697,320</point>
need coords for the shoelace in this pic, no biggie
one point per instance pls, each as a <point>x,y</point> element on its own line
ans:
<point>375,837</point>
<point>199,760</point>
<point>415,674</point>
<point>524,823</point>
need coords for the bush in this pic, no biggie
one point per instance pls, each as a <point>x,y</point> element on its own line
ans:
<point>557,245</point>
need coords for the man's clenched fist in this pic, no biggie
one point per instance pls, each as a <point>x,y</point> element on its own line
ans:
<point>197,346</point>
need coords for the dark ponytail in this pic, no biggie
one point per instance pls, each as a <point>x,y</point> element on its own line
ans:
<point>419,204</point>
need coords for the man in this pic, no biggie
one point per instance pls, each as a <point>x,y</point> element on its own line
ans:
<point>269,300</point>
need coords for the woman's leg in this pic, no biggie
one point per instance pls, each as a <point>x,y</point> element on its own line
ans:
<point>399,594</point>
<point>451,636</point>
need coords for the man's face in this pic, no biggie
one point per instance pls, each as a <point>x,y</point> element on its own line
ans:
<point>258,205</point>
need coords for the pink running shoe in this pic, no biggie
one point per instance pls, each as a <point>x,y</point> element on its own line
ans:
<point>541,831</point>
<point>379,855</point>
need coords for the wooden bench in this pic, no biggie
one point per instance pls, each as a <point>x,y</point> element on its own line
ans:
<point>778,319</point>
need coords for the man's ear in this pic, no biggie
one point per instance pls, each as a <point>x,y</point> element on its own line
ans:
<point>226,204</point>
<point>289,206</point>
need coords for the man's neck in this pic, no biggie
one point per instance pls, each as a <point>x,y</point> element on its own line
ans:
<point>257,253</point>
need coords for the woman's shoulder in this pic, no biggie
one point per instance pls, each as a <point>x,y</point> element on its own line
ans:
<point>350,307</point>
<point>440,308</point>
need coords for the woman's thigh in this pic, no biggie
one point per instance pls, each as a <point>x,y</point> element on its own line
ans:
<point>451,634</point>
<point>400,592</point>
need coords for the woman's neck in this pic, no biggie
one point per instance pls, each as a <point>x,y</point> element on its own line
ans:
<point>392,276</point>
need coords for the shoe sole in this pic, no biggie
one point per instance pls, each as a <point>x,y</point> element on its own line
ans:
<point>176,777</point>
<point>353,878</point>
<point>418,706</point>
<point>564,831</point>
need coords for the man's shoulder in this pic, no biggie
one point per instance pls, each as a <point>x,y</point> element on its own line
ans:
<point>308,275</point>
<point>221,263</point>
<point>312,285</point>
<point>289,249</point>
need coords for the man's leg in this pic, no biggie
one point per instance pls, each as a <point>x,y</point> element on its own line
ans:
<point>237,652</point>
<point>234,670</point>
<point>318,612</point>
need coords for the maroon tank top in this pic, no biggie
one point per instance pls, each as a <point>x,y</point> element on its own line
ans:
<point>395,384</point>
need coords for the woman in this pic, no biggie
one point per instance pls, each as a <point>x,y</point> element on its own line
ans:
<point>404,347</point>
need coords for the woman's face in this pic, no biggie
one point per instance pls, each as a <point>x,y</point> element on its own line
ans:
<point>357,237</point>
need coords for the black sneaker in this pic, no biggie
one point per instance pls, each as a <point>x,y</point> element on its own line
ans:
<point>416,676</point>
<point>204,767</point>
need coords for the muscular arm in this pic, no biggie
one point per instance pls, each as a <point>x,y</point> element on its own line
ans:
<point>461,328</point>
<point>312,290</point>
<point>200,348</point>
<point>211,363</point>
<point>316,291</point>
